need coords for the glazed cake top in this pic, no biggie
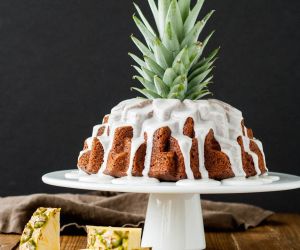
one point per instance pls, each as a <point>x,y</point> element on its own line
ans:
<point>146,116</point>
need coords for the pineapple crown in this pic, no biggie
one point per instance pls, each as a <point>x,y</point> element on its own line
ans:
<point>172,66</point>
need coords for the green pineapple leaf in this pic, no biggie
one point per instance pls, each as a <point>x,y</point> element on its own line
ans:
<point>148,93</point>
<point>184,6</point>
<point>161,87</point>
<point>148,26</point>
<point>139,61</point>
<point>172,63</point>
<point>191,19</point>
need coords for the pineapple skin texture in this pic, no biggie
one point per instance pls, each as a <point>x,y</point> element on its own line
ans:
<point>42,230</point>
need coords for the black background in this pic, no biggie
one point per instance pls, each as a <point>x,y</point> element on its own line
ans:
<point>64,64</point>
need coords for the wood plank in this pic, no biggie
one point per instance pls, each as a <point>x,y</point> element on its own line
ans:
<point>72,242</point>
<point>279,232</point>
<point>9,241</point>
<point>219,240</point>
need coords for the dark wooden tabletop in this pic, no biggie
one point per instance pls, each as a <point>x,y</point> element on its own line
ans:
<point>280,231</point>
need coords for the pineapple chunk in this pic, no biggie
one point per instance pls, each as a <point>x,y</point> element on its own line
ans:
<point>42,230</point>
<point>113,238</point>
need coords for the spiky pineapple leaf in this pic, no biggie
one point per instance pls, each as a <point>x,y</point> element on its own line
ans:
<point>170,38</point>
<point>201,47</point>
<point>172,64</point>
<point>191,19</point>
<point>206,60</point>
<point>193,35</point>
<point>148,93</point>
<point>142,47</point>
<point>184,6</point>
<point>169,76</point>
<point>180,80</point>
<point>201,69</point>
<point>199,87</point>
<point>199,78</point>
<point>183,57</point>
<point>163,56</point>
<point>179,67</point>
<point>148,26</point>
<point>174,17</point>
<point>198,95</point>
<point>163,7</point>
<point>147,84</point>
<point>150,74</point>
<point>139,61</point>
<point>154,10</point>
<point>161,87</point>
<point>149,37</point>
<point>178,91</point>
<point>153,66</point>
<point>141,72</point>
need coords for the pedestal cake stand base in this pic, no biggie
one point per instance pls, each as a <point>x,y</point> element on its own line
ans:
<point>174,221</point>
<point>174,216</point>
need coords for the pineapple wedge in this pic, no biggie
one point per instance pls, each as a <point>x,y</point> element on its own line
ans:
<point>113,238</point>
<point>42,230</point>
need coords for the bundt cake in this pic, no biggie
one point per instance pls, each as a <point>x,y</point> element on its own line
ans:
<point>171,140</point>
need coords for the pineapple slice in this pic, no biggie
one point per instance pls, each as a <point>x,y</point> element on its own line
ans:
<point>42,230</point>
<point>113,238</point>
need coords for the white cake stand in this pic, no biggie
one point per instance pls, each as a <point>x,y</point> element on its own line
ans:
<point>174,217</point>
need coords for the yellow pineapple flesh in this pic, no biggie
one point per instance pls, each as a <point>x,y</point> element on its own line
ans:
<point>42,231</point>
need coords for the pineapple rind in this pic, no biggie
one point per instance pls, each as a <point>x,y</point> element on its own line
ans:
<point>42,230</point>
<point>172,66</point>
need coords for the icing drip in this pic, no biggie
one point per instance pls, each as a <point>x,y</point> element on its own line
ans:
<point>147,116</point>
<point>89,142</point>
<point>260,146</point>
<point>246,142</point>
<point>185,144</point>
<point>233,150</point>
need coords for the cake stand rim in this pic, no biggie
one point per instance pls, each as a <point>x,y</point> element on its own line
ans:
<point>286,182</point>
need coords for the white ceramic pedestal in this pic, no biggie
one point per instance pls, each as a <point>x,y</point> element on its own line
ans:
<point>174,222</point>
<point>174,217</point>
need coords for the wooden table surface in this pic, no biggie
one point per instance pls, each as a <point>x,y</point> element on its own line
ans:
<point>280,231</point>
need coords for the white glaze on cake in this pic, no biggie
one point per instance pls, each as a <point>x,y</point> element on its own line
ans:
<point>146,116</point>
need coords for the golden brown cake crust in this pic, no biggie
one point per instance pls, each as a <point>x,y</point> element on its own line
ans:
<point>83,161</point>
<point>163,163</point>
<point>217,163</point>
<point>139,160</point>
<point>119,155</point>
<point>91,161</point>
